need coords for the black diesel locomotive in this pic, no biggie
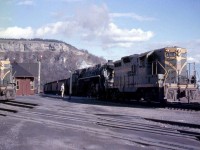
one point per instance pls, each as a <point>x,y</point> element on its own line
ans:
<point>159,75</point>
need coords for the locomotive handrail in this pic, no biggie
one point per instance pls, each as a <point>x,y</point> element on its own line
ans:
<point>89,77</point>
<point>149,53</point>
<point>162,66</point>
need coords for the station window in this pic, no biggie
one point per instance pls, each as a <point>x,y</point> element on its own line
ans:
<point>17,85</point>
<point>32,85</point>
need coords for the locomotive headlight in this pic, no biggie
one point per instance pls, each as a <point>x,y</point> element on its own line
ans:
<point>160,80</point>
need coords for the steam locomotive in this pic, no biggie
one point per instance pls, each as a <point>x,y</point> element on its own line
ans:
<point>159,75</point>
<point>93,81</point>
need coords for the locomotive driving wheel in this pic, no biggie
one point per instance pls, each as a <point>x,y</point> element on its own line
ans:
<point>114,95</point>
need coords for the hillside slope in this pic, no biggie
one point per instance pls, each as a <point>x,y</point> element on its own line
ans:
<point>57,57</point>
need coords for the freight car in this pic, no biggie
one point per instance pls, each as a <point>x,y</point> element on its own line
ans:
<point>158,75</point>
<point>7,86</point>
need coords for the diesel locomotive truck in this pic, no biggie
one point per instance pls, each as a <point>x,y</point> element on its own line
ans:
<point>7,86</point>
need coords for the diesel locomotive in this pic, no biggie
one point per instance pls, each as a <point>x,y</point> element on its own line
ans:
<point>159,75</point>
<point>7,86</point>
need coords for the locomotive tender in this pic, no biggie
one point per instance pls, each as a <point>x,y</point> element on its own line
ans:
<point>158,75</point>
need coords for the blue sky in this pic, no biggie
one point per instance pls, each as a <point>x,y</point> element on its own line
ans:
<point>108,28</point>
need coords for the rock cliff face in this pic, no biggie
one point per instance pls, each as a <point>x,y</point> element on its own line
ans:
<point>56,57</point>
<point>25,45</point>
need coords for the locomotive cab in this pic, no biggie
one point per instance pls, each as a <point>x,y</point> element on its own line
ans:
<point>178,81</point>
<point>180,75</point>
<point>108,74</point>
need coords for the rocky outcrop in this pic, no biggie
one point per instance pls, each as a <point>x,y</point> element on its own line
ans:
<point>56,57</point>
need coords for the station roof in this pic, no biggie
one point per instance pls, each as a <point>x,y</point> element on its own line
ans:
<point>25,69</point>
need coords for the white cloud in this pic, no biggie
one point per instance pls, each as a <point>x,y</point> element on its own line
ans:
<point>25,2</point>
<point>96,24</point>
<point>53,28</point>
<point>131,15</point>
<point>92,18</point>
<point>16,32</point>
<point>114,36</point>
<point>91,24</point>
<point>132,35</point>
<point>87,20</point>
<point>195,58</point>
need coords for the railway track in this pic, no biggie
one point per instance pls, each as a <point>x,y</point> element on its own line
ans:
<point>135,130</point>
<point>190,125</point>
<point>184,106</point>
<point>22,103</point>
<point>169,105</point>
<point>14,106</point>
<point>19,104</point>
<point>120,129</point>
<point>135,103</point>
<point>115,128</point>
<point>152,128</point>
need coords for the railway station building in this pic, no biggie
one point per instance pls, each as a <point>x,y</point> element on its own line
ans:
<point>26,77</point>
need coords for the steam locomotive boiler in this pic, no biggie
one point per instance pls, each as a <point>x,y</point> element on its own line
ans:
<point>95,81</point>
<point>160,75</point>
